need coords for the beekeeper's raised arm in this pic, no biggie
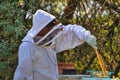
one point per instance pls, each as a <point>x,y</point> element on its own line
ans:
<point>74,35</point>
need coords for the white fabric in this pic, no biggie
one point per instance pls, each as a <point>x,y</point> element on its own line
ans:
<point>72,36</point>
<point>40,63</point>
<point>91,40</point>
<point>40,20</point>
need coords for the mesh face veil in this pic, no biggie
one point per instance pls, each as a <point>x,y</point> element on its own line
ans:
<point>49,38</point>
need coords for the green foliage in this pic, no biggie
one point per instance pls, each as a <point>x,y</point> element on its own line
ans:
<point>12,30</point>
<point>104,24</point>
<point>101,20</point>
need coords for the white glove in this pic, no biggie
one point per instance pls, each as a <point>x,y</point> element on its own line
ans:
<point>91,40</point>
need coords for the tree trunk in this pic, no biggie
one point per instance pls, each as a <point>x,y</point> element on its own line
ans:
<point>70,8</point>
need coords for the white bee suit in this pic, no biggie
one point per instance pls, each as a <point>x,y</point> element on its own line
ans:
<point>37,62</point>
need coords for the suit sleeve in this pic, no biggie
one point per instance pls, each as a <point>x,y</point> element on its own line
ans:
<point>71,37</point>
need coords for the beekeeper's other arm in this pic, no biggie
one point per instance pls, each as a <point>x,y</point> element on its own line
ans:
<point>72,36</point>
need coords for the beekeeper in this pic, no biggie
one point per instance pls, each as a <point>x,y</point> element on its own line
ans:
<point>37,52</point>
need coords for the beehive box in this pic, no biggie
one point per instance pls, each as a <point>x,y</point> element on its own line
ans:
<point>83,77</point>
<point>73,77</point>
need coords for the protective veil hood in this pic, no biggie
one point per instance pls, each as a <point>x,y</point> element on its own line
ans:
<point>40,20</point>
